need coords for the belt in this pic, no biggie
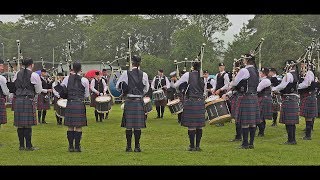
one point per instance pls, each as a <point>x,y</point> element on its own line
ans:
<point>75,100</point>
<point>134,98</point>
<point>26,96</point>
<point>247,94</point>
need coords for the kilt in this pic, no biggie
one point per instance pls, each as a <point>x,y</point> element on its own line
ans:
<point>289,112</point>
<point>233,101</point>
<point>134,114</point>
<point>75,114</point>
<point>43,104</point>
<point>161,103</point>
<point>308,106</point>
<point>318,103</point>
<point>193,115</point>
<point>13,102</point>
<point>275,102</point>
<point>55,104</point>
<point>265,105</point>
<point>247,110</point>
<point>93,100</point>
<point>25,112</point>
<point>3,111</point>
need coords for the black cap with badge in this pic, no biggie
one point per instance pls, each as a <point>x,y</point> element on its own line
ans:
<point>221,64</point>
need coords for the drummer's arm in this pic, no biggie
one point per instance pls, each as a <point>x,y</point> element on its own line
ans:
<point>184,78</point>
<point>167,83</point>
<point>145,82</point>
<point>85,83</point>
<point>226,82</point>
<point>263,84</point>
<point>105,87</point>
<point>285,81</point>
<point>92,84</point>
<point>122,78</point>
<point>55,93</point>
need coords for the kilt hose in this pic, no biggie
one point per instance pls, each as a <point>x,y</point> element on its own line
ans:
<point>93,100</point>
<point>308,106</point>
<point>275,102</point>
<point>133,114</point>
<point>318,103</point>
<point>265,105</point>
<point>55,103</point>
<point>3,111</point>
<point>43,103</point>
<point>193,115</point>
<point>75,114</point>
<point>247,110</point>
<point>289,112</point>
<point>24,112</point>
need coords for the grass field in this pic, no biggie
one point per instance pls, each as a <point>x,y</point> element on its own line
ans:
<point>163,142</point>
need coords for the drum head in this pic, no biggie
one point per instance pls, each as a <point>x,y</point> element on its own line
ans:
<point>212,98</point>
<point>221,119</point>
<point>146,100</point>
<point>173,102</point>
<point>106,98</point>
<point>62,103</point>
<point>158,91</point>
<point>112,84</point>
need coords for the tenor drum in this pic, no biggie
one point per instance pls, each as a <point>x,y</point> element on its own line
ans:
<point>103,104</point>
<point>62,104</point>
<point>217,110</point>
<point>147,105</point>
<point>175,106</point>
<point>112,84</point>
<point>158,95</point>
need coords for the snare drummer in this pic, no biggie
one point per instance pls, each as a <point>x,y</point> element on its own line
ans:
<point>160,82</point>
<point>209,81</point>
<point>276,97</point>
<point>57,96</point>
<point>289,112</point>
<point>75,113</point>
<point>248,115</point>
<point>265,100</point>
<point>4,91</point>
<point>222,82</point>
<point>43,103</point>
<point>98,87</point>
<point>193,115</point>
<point>134,115</point>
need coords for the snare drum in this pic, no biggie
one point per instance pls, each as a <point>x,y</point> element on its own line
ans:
<point>175,106</point>
<point>103,104</point>
<point>147,105</point>
<point>158,95</point>
<point>62,104</point>
<point>218,111</point>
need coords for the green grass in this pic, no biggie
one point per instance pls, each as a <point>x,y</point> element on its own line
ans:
<point>163,142</point>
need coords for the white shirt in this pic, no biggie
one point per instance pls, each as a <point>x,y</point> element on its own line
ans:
<point>53,90</point>
<point>160,78</point>
<point>288,78</point>
<point>93,83</point>
<point>212,81</point>
<point>84,82</point>
<point>265,82</point>
<point>242,74</point>
<point>35,80</point>
<point>4,87</point>
<point>307,80</point>
<point>185,78</point>
<point>226,81</point>
<point>124,78</point>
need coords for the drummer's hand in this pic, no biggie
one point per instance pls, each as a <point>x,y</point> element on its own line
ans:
<point>49,90</point>
<point>217,92</point>
<point>101,94</point>
<point>97,93</point>
<point>225,97</point>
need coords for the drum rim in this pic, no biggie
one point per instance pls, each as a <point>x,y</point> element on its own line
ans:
<point>160,90</point>
<point>213,102</point>
<point>218,97</point>
<point>62,100</point>
<point>168,104</point>
<point>224,117</point>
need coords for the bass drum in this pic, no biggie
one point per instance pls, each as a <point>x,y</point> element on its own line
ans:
<point>112,84</point>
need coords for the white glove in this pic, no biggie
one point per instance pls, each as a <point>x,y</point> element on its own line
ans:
<point>101,94</point>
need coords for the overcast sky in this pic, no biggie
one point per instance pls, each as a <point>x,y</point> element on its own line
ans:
<point>236,20</point>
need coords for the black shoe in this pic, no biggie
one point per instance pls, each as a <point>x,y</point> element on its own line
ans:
<point>191,149</point>
<point>21,148</point>
<point>251,146</point>
<point>198,149</point>
<point>161,117</point>
<point>137,149</point>
<point>32,148</point>
<point>274,124</point>
<point>294,142</point>
<point>128,149</point>
<point>306,138</point>
<point>44,122</point>
<point>243,147</point>
<point>260,135</point>
<point>289,143</point>
<point>71,149</point>
<point>77,149</point>
<point>235,140</point>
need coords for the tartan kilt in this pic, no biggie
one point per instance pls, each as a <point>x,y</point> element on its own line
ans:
<point>318,104</point>
<point>308,106</point>
<point>163,102</point>
<point>75,114</point>
<point>25,112</point>
<point>247,110</point>
<point>13,102</point>
<point>233,101</point>
<point>193,115</point>
<point>275,103</point>
<point>289,112</point>
<point>133,114</point>
<point>41,103</point>
<point>3,111</point>
<point>55,104</point>
<point>93,100</point>
<point>265,105</point>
